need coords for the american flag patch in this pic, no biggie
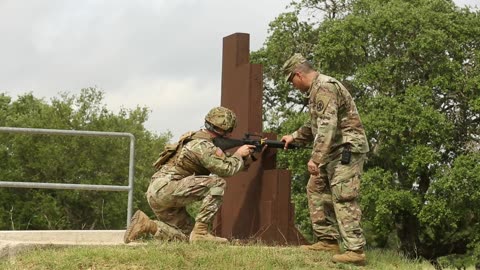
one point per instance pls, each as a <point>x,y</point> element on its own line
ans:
<point>219,152</point>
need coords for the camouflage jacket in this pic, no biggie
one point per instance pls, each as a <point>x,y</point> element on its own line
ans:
<point>334,120</point>
<point>200,156</point>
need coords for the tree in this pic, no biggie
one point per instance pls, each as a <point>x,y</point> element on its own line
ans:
<point>72,159</point>
<point>413,69</point>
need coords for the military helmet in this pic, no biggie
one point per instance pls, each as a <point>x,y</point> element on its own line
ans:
<point>222,118</point>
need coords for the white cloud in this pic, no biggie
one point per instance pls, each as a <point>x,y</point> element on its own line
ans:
<point>165,55</point>
<point>178,105</point>
<point>471,3</point>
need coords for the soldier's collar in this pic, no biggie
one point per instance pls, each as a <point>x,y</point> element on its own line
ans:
<point>310,90</point>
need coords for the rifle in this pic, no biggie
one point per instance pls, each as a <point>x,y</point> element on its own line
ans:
<point>227,143</point>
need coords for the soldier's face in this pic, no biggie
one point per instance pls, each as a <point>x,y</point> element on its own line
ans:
<point>298,81</point>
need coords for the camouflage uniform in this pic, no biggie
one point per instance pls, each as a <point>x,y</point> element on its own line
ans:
<point>332,194</point>
<point>192,174</point>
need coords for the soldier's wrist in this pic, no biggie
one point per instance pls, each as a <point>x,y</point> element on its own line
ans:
<point>237,155</point>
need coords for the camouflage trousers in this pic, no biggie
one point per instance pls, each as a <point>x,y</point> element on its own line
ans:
<point>332,202</point>
<point>169,198</point>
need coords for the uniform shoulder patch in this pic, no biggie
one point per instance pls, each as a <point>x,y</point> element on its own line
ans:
<point>320,106</point>
<point>322,103</point>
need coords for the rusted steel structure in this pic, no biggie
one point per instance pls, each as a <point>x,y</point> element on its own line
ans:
<point>257,203</point>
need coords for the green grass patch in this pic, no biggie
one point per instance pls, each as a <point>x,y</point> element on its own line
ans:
<point>157,255</point>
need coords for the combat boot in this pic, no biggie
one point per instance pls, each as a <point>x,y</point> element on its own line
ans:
<point>325,245</point>
<point>356,257</point>
<point>140,225</point>
<point>200,233</point>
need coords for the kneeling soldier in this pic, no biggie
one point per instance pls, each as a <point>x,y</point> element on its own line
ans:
<point>188,171</point>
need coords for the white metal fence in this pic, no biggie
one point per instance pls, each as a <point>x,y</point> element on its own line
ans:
<point>131,166</point>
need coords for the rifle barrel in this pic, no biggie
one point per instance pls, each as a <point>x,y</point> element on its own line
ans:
<point>280,144</point>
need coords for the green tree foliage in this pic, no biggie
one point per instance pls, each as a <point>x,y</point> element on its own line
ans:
<point>72,160</point>
<point>413,69</point>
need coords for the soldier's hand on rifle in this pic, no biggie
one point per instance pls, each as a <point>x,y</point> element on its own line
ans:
<point>245,150</point>
<point>287,139</point>
<point>313,167</point>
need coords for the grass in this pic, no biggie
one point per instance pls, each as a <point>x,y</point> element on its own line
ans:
<point>157,255</point>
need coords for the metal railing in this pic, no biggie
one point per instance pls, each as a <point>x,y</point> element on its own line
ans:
<point>131,167</point>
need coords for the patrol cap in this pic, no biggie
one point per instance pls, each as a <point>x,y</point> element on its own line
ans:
<point>290,65</point>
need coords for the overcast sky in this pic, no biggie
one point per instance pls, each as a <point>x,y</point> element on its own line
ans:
<point>165,55</point>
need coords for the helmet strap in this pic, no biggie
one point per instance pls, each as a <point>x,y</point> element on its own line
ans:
<point>214,129</point>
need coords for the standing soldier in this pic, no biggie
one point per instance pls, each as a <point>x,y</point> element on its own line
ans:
<point>188,171</point>
<point>336,163</point>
